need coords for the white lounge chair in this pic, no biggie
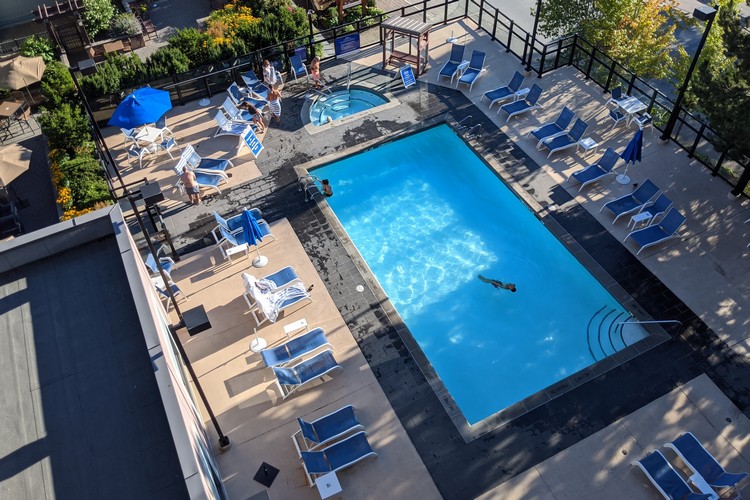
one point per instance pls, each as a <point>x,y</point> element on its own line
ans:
<point>228,127</point>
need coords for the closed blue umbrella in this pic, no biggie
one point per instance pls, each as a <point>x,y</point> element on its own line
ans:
<point>631,154</point>
<point>253,236</point>
<point>144,105</point>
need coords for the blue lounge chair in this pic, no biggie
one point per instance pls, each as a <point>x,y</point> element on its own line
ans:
<point>597,171</point>
<point>702,463</point>
<point>167,264</point>
<point>281,278</point>
<point>237,96</point>
<point>663,476</point>
<point>255,86</point>
<point>658,233</point>
<point>631,202</point>
<point>297,66</point>
<point>474,71</point>
<point>203,179</point>
<point>531,101</point>
<point>231,240</point>
<point>295,348</point>
<point>572,138</point>
<point>554,129</point>
<point>336,457</point>
<point>199,164</point>
<point>450,69</point>
<point>325,429</point>
<point>658,207</point>
<point>238,115</point>
<point>502,93</point>
<point>291,379</point>
<point>228,127</point>
<point>233,224</point>
<point>616,96</point>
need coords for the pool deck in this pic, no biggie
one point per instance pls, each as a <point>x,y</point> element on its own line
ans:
<point>693,382</point>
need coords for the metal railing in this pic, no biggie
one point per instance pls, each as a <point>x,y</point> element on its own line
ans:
<point>8,47</point>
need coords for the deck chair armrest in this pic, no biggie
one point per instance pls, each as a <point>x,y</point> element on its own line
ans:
<point>217,173</point>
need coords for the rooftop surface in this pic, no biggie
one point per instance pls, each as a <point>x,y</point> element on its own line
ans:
<point>81,411</point>
<point>699,280</point>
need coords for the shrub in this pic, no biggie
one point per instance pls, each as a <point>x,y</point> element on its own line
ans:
<point>97,15</point>
<point>37,46</point>
<point>84,178</point>
<point>124,24</point>
<point>167,61</point>
<point>114,75</point>
<point>330,18</point>
<point>4,93</point>
<point>65,127</point>
<point>57,84</point>
<point>132,69</point>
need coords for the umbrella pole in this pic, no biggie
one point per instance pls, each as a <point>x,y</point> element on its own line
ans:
<point>623,177</point>
<point>260,260</point>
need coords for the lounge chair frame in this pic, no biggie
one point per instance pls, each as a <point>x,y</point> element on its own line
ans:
<point>697,476</point>
<point>299,437</point>
<point>287,390</point>
<point>312,477</point>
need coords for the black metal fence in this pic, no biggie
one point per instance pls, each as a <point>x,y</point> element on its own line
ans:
<point>691,133</point>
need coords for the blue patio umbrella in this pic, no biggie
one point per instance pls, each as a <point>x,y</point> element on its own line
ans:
<point>631,154</point>
<point>253,236</point>
<point>144,105</point>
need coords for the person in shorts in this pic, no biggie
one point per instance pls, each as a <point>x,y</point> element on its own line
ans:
<point>191,186</point>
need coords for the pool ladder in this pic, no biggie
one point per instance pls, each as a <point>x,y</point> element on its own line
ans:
<point>469,135</point>
<point>459,127</point>
<point>311,185</point>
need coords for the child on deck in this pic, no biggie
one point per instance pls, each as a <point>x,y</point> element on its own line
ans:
<point>274,103</point>
<point>315,71</point>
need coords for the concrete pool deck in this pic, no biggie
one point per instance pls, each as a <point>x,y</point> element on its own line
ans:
<point>703,273</point>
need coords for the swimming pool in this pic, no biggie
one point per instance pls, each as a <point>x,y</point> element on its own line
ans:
<point>343,102</point>
<point>428,216</point>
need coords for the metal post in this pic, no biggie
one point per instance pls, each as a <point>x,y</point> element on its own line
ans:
<point>310,42</point>
<point>223,440</point>
<point>533,34</point>
<point>703,13</point>
<point>742,181</point>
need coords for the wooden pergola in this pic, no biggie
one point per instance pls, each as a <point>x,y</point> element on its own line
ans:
<point>413,30</point>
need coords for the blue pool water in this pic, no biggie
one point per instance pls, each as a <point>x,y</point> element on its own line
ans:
<point>428,216</point>
<point>341,103</point>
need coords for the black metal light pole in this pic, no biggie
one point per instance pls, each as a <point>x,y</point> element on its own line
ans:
<point>310,14</point>
<point>702,13</point>
<point>533,34</point>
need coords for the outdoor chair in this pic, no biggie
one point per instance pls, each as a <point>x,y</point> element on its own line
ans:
<point>297,67</point>
<point>289,380</point>
<point>325,429</point>
<point>617,117</point>
<point>203,179</point>
<point>167,145</point>
<point>298,296</point>
<point>554,129</point>
<point>295,348</point>
<point>666,480</point>
<point>228,127</point>
<point>280,279</point>
<point>255,85</point>
<point>236,114</point>
<point>475,69</point>
<point>644,120</point>
<point>199,164</point>
<point>531,101</point>
<point>450,68</point>
<point>162,290</point>
<point>237,239</point>
<point>597,171</point>
<point>233,224</point>
<point>657,208</point>
<point>658,233</point>
<point>502,93</point>
<point>702,463</point>
<point>616,96</point>
<point>167,264</point>
<point>238,97</point>
<point>138,152</point>
<point>631,202</point>
<point>568,140</point>
<point>336,457</point>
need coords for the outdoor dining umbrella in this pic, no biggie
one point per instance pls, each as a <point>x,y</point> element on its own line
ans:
<point>14,160</point>
<point>19,72</point>
<point>631,154</point>
<point>144,105</point>
<point>253,236</point>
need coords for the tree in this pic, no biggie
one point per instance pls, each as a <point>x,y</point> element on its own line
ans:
<point>636,33</point>
<point>722,85</point>
<point>97,15</point>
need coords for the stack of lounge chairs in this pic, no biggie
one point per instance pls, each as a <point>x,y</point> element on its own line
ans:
<point>708,475</point>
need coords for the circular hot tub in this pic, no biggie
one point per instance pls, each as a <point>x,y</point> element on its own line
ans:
<point>341,102</point>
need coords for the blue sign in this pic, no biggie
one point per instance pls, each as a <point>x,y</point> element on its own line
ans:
<point>252,142</point>
<point>347,43</point>
<point>301,52</point>
<point>407,76</point>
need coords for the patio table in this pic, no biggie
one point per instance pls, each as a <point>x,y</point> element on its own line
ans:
<point>8,110</point>
<point>631,106</point>
<point>150,136</point>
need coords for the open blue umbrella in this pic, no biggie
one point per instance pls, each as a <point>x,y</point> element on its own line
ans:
<point>144,105</point>
<point>253,236</point>
<point>631,154</point>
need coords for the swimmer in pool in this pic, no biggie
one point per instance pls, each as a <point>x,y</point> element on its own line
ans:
<point>497,284</point>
